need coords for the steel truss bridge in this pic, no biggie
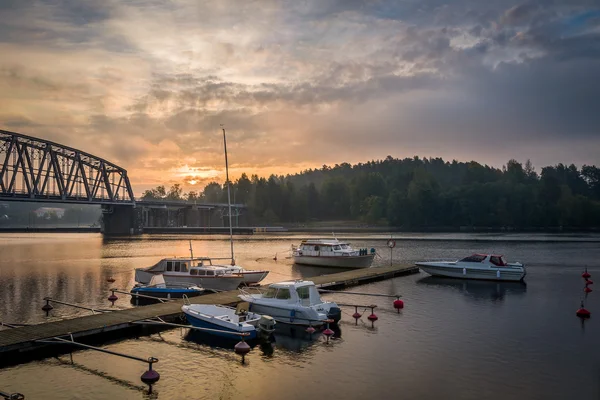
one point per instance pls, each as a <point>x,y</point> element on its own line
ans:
<point>40,170</point>
<point>34,169</point>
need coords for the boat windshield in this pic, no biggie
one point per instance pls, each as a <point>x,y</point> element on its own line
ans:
<point>344,246</point>
<point>336,247</point>
<point>474,258</point>
<point>303,292</point>
<point>283,294</point>
<point>270,293</point>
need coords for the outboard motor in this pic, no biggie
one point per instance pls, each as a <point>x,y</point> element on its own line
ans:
<point>335,313</point>
<point>266,324</point>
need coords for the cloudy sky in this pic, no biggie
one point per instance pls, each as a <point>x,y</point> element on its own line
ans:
<point>302,83</point>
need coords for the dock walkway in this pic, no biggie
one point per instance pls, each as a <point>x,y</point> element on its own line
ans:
<point>24,338</point>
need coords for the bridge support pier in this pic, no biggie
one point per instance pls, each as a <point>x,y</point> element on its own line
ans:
<point>120,220</point>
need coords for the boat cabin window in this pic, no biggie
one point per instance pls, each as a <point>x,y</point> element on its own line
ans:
<point>303,292</point>
<point>270,293</point>
<point>336,247</point>
<point>177,266</point>
<point>193,271</point>
<point>344,246</point>
<point>497,261</point>
<point>210,273</point>
<point>169,266</point>
<point>283,294</point>
<point>316,248</point>
<point>474,258</point>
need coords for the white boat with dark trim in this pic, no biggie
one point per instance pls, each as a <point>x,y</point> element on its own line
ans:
<point>189,270</point>
<point>331,253</point>
<point>225,319</point>
<point>292,302</point>
<point>476,266</point>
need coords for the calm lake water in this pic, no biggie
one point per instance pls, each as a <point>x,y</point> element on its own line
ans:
<point>454,339</point>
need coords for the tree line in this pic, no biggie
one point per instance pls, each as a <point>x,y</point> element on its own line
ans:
<point>416,193</point>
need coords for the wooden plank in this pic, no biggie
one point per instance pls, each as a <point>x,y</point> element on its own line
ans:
<point>23,336</point>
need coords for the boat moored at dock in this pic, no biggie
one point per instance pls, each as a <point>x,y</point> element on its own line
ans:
<point>293,302</point>
<point>228,321</point>
<point>190,271</point>
<point>159,289</point>
<point>476,266</point>
<point>331,253</point>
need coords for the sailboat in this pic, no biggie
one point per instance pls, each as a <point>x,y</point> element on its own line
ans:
<point>202,270</point>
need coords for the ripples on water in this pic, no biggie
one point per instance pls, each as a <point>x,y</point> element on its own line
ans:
<point>454,340</point>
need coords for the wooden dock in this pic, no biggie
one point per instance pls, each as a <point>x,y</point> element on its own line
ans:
<point>24,339</point>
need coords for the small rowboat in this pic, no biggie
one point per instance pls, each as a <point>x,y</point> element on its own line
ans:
<point>228,321</point>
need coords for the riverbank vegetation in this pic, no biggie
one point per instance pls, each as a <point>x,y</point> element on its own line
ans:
<point>417,193</point>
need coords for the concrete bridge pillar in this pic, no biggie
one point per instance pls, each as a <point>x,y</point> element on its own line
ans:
<point>121,220</point>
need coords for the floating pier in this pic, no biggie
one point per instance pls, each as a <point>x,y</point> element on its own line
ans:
<point>25,341</point>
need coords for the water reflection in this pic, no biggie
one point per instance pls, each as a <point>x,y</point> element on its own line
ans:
<point>494,291</point>
<point>207,339</point>
<point>305,271</point>
<point>294,337</point>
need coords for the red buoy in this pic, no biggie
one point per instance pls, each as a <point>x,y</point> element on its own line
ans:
<point>110,280</point>
<point>328,332</point>
<point>150,377</point>
<point>372,317</point>
<point>587,289</point>
<point>398,304</point>
<point>310,330</point>
<point>356,315</point>
<point>586,274</point>
<point>589,282</point>
<point>582,312</point>
<point>242,348</point>
<point>112,298</point>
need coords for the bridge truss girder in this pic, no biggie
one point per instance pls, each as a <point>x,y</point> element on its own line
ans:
<point>38,170</point>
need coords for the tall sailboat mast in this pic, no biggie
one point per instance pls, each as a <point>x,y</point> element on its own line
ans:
<point>228,197</point>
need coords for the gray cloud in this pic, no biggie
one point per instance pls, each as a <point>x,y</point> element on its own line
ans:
<point>307,83</point>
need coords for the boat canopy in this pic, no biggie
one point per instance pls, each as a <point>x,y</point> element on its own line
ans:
<point>495,259</point>
<point>304,292</point>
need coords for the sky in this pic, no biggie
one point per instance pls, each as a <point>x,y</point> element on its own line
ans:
<point>302,83</point>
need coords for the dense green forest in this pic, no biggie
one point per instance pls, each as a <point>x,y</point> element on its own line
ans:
<point>417,193</point>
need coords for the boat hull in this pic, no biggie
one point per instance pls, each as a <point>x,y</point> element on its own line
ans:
<point>336,261</point>
<point>283,315</point>
<point>162,293</point>
<point>252,277</point>
<point>220,283</point>
<point>493,274</point>
<point>200,323</point>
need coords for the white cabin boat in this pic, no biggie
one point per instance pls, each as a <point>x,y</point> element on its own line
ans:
<point>476,266</point>
<point>331,253</point>
<point>188,270</point>
<point>293,302</point>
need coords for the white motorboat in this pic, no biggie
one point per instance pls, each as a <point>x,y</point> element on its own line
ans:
<point>189,270</point>
<point>228,321</point>
<point>331,253</point>
<point>292,302</point>
<point>476,266</point>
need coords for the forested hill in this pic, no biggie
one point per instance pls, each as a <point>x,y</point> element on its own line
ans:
<point>418,193</point>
